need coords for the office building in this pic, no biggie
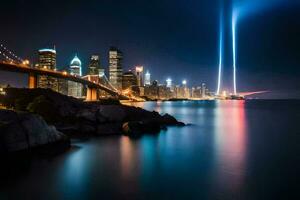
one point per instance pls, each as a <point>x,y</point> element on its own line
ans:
<point>203,90</point>
<point>75,89</point>
<point>152,91</point>
<point>129,79</point>
<point>147,78</point>
<point>169,83</point>
<point>47,61</point>
<point>115,67</point>
<point>139,71</point>
<point>94,65</point>
<point>196,92</point>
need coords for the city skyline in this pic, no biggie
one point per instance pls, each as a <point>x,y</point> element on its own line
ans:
<point>90,67</point>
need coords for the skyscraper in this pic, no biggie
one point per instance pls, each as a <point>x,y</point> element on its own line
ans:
<point>203,90</point>
<point>129,79</point>
<point>75,89</point>
<point>47,61</point>
<point>75,67</point>
<point>169,83</point>
<point>139,71</point>
<point>95,71</point>
<point>94,65</point>
<point>115,67</point>
<point>147,78</point>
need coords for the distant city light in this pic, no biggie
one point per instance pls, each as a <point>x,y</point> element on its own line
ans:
<point>139,68</point>
<point>147,78</point>
<point>169,82</point>
<point>184,82</point>
<point>2,91</point>
<point>101,74</point>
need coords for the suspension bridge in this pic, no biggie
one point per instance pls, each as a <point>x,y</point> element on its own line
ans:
<point>9,61</point>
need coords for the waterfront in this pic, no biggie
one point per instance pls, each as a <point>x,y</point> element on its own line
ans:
<point>231,150</point>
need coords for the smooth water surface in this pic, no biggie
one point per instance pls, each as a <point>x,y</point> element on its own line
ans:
<point>231,150</point>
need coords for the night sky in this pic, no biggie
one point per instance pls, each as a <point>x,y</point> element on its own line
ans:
<point>171,38</point>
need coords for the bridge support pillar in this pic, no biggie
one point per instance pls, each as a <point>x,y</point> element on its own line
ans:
<point>91,94</point>
<point>32,81</point>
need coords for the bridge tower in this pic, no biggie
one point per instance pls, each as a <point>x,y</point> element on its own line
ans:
<point>32,81</point>
<point>91,94</point>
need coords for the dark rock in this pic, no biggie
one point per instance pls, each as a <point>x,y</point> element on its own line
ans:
<point>169,120</point>
<point>140,127</point>
<point>113,113</point>
<point>109,129</point>
<point>86,114</point>
<point>73,116</point>
<point>100,118</point>
<point>23,131</point>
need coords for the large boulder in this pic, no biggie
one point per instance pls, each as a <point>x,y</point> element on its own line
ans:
<point>169,120</point>
<point>23,131</point>
<point>141,127</point>
<point>109,129</point>
<point>87,114</point>
<point>113,113</point>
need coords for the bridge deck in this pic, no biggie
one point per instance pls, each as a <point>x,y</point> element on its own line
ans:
<point>62,75</point>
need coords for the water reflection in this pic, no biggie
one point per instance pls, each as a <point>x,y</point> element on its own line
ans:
<point>74,173</point>
<point>225,154</point>
<point>127,156</point>
<point>230,144</point>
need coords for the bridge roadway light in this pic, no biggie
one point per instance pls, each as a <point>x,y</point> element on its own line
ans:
<point>25,62</point>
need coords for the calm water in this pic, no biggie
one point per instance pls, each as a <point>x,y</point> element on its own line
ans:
<point>233,150</point>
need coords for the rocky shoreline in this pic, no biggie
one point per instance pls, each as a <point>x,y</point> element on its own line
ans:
<point>22,131</point>
<point>42,117</point>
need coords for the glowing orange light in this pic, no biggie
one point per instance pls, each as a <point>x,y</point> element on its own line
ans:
<point>139,68</point>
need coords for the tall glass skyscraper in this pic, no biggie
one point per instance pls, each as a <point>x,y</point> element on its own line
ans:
<point>47,61</point>
<point>115,67</point>
<point>139,71</point>
<point>75,89</point>
<point>147,79</point>
<point>94,65</point>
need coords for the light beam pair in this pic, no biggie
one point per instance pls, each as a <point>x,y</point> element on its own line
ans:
<point>221,42</point>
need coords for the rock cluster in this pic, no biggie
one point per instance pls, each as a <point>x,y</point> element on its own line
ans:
<point>24,131</point>
<point>72,116</point>
<point>117,119</point>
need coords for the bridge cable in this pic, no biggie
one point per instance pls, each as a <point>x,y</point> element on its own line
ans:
<point>5,49</point>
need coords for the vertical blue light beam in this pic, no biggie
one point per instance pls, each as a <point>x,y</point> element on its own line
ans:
<point>234,23</point>
<point>220,54</point>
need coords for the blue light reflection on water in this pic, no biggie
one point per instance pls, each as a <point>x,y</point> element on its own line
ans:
<point>233,150</point>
